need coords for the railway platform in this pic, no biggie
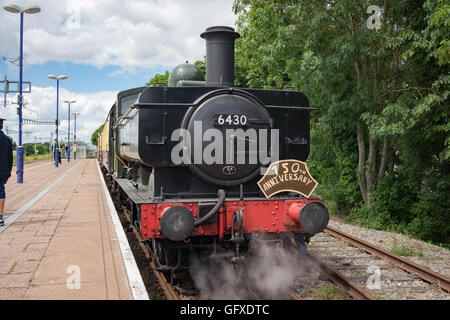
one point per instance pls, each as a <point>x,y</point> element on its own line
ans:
<point>62,238</point>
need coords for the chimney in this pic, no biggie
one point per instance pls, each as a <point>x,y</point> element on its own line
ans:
<point>220,55</point>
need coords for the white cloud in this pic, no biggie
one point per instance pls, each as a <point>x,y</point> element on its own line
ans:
<point>93,108</point>
<point>127,34</point>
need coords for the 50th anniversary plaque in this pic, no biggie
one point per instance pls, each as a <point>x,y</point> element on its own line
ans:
<point>287,176</point>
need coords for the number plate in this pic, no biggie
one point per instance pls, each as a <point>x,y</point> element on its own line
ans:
<point>230,120</point>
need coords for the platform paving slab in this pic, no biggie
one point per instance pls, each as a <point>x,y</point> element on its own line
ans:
<point>65,245</point>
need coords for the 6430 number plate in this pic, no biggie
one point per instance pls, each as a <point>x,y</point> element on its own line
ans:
<point>231,119</point>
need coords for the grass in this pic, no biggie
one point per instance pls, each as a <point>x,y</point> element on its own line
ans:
<point>404,251</point>
<point>36,157</point>
<point>329,291</point>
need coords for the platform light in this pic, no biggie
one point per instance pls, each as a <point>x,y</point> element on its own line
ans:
<point>62,77</point>
<point>13,8</point>
<point>57,78</point>
<point>32,9</point>
<point>68,130</point>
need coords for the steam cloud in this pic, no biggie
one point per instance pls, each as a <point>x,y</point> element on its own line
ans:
<point>268,272</point>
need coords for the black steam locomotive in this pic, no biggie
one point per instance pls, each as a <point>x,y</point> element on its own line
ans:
<point>186,158</point>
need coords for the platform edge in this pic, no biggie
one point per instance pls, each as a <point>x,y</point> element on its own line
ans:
<point>137,286</point>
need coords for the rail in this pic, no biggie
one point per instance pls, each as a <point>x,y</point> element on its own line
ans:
<point>352,289</point>
<point>424,273</point>
<point>167,288</point>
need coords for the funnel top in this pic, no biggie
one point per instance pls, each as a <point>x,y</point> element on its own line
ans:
<point>219,29</point>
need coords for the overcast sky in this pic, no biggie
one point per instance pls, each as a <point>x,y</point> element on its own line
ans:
<point>103,46</point>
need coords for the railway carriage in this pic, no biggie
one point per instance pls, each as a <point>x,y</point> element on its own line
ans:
<point>103,146</point>
<point>172,155</point>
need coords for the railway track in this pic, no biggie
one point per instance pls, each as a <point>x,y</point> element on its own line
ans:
<point>351,288</point>
<point>327,270</point>
<point>294,295</point>
<point>328,274</point>
<point>424,273</point>
<point>362,262</point>
<point>325,266</point>
<point>167,288</point>
<point>334,276</point>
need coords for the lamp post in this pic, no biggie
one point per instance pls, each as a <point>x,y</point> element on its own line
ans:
<point>68,131</point>
<point>30,10</point>
<point>56,149</point>
<point>75,136</point>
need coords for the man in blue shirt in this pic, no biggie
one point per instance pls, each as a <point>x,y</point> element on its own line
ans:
<point>6,161</point>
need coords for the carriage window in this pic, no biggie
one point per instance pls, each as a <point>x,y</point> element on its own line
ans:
<point>126,103</point>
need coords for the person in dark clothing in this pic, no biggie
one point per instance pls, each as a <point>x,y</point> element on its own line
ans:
<point>54,150</point>
<point>6,161</point>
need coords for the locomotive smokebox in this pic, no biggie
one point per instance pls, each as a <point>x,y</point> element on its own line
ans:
<point>220,55</point>
<point>313,217</point>
<point>177,223</point>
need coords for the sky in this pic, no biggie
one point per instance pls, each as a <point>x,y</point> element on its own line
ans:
<point>103,46</point>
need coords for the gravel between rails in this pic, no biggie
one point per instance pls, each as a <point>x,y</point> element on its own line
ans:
<point>433,257</point>
<point>395,283</point>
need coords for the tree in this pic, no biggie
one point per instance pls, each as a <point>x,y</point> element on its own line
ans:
<point>42,148</point>
<point>159,78</point>
<point>380,141</point>
<point>94,136</point>
<point>29,149</point>
<point>201,64</point>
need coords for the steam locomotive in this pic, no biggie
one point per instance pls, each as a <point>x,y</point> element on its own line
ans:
<point>184,159</point>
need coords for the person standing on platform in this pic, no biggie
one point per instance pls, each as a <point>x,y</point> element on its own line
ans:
<point>62,147</point>
<point>59,150</point>
<point>6,162</point>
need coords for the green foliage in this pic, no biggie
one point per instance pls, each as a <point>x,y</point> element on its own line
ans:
<point>94,136</point>
<point>393,80</point>
<point>201,64</point>
<point>430,218</point>
<point>159,78</point>
<point>406,251</point>
<point>388,207</point>
<point>32,158</point>
<point>28,149</point>
<point>334,168</point>
<point>328,291</point>
<point>40,148</point>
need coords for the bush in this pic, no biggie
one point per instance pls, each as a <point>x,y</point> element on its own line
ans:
<point>394,206</point>
<point>430,216</point>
